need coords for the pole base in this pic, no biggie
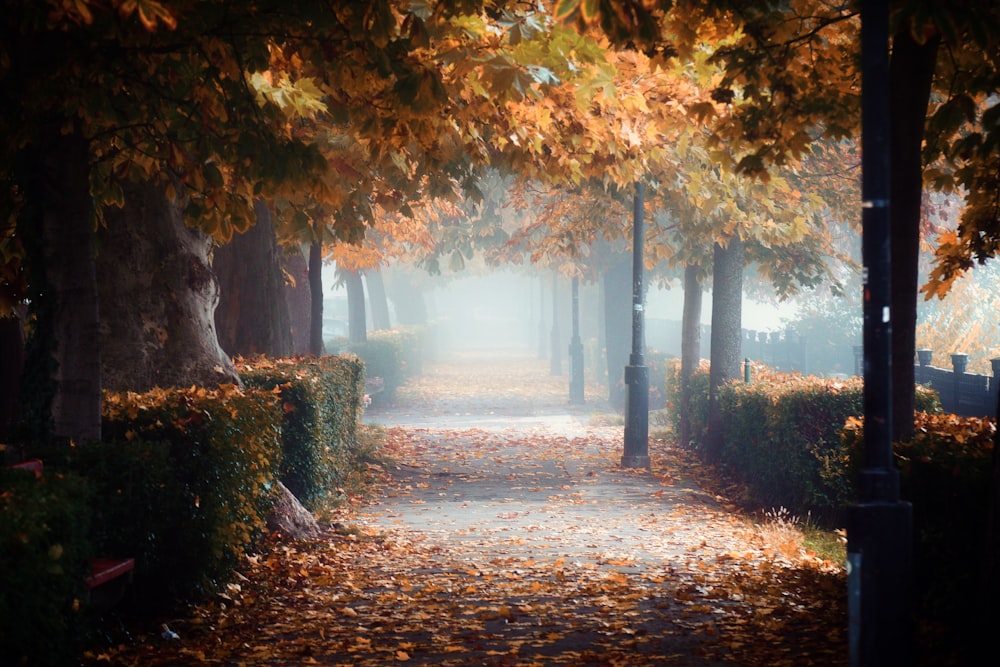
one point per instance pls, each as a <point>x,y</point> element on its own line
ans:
<point>636,462</point>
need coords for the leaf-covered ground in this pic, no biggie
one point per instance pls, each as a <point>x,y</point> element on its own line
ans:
<point>504,532</point>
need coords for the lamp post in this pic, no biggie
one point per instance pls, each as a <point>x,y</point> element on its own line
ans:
<point>636,453</point>
<point>576,351</point>
<point>879,528</point>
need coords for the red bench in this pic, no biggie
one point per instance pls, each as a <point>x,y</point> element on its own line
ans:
<point>103,571</point>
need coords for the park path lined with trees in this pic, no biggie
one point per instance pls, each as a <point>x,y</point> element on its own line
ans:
<point>144,136</point>
<point>504,532</point>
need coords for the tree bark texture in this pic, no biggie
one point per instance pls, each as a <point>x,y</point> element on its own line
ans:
<point>159,296</point>
<point>57,187</point>
<point>911,72</point>
<point>690,346</point>
<point>316,346</point>
<point>356,315</point>
<point>11,366</point>
<point>727,320</point>
<point>299,300</point>
<point>252,316</point>
<point>377,297</point>
<point>618,324</point>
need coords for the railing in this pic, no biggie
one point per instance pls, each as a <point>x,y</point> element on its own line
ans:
<point>961,393</point>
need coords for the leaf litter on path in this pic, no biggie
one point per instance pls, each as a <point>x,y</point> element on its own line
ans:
<point>508,546</point>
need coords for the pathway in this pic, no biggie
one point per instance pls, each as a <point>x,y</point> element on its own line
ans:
<point>507,533</point>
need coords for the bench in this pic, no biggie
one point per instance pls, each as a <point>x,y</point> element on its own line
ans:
<point>109,577</point>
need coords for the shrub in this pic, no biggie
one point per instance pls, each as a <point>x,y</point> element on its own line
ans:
<point>782,436</point>
<point>321,403</point>
<point>945,473</point>
<point>184,481</point>
<point>44,554</point>
<point>385,355</point>
<point>695,407</point>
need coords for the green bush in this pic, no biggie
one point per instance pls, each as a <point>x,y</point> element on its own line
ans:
<point>782,436</point>
<point>945,471</point>
<point>44,554</point>
<point>184,481</point>
<point>782,439</point>
<point>695,407</point>
<point>321,403</point>
<point>389,355</point>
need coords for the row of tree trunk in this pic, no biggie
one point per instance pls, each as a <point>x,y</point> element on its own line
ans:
<point>146,301</point>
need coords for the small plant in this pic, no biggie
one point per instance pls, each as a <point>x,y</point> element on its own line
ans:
<point>780,530</point>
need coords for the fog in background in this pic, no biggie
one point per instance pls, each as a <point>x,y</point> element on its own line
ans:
<point>512,310</point>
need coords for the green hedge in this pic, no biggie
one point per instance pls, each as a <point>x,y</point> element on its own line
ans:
<point>44,553</point>
<point>321,403</point>
<point>945,472</point>
<point>782,436</point>
<point>393,355</point>
<point>183,482</point>
<point>696,407</point>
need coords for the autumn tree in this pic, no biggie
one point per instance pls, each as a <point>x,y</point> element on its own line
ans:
<point>192,99</point>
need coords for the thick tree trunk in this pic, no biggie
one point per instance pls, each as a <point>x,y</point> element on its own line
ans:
<point>252,317</point>
<point>618,324</point>
<point>299,300</point>
<point>727,320</point>
<point>690,347</point>
<point>67,329</point>
<point>316,347</point>
<point>379,302</point>
<point>356,316</point>
<point>159,297</point>
<point>911,74</point>
<point>11,365</point>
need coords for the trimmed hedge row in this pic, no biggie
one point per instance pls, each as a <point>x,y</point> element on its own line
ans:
<point>945,471</point>
<point>783,436</point>
<point>182,482</point>
<point>395,355</point>
<point>44,552</point>
<point>321,400</point>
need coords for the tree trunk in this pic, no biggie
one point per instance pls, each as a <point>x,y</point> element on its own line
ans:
<point>11,365</point>
<point>690,348</point>
<point>64,369</point>
<point>316,347</point>
<point>379,302</point>
<point>618,324</point>
<point>911,74</point>
<point>356,316</point>
<point>727,320</point>
<point>298,299</point>
<point>159,297</point>
<point>252,317</point>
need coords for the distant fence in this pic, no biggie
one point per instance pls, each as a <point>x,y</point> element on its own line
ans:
<point>961,393</point>
<point>782,350</point>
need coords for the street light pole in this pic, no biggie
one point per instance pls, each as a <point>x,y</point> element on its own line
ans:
<point>636,453</point>
<point>879,528</point>
<point>576,351</point>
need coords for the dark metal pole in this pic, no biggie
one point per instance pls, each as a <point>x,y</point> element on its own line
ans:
<point>576,351</point>
<point>636,374</point>
<point>879,528</point>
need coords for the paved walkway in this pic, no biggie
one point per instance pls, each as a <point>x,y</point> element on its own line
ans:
<point>507,534</point>
<point>497,473</point>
